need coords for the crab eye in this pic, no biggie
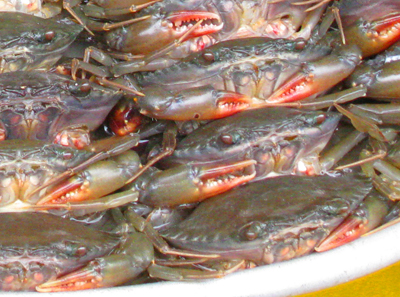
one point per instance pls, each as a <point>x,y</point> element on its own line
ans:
<point>85,87</point>
<point>320,119</point>
<point>300,44</point>
<point>41,37</point>
<point>67,155</point>
<point>209,56</point>
<point>81,251</point>
<point>49,35</point>
<point>73,249</point>
<point>229,138</point>
<point>252,230</point>
<point>80,89</point>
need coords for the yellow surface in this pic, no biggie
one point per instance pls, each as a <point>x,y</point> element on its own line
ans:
<point>383,283</point>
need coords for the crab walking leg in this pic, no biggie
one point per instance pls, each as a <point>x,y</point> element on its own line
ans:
<point>330,157</point>
<point>82,208</point>
<point>190,274</point>
<point>363,124</point>
<point>326,101</point>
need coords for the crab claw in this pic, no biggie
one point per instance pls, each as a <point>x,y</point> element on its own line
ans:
<point>203,103</point>
<point>135,255</point>
<point>97,180</point>
<point>365,218</point>
<point>190,184</point>
<point>318,76</point>
<point>154,33</point>
<point>374,37</point>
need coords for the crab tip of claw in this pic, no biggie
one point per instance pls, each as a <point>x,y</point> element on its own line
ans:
<point>231,103</point>
<point>295,89</point>
<point>348,231</point>
<point>67,191</point>
<point>182,21</point>
<point>220,179</point>
<point>81,280</point>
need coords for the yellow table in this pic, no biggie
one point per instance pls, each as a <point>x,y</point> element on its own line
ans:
<point>382,283</point>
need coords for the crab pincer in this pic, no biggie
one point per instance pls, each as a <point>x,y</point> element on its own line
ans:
<point>375,36</point>
<point>316,77</point>
<point>368,215</point>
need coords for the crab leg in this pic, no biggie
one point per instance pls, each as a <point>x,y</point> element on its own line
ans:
<point>182,274</point>
<point>190,184</point>
<point>90,206</point>
<point>363,124</point>
<point>103,12</point>
<point>141,65</point>
<point>326,101</point>
<point>378,113</point>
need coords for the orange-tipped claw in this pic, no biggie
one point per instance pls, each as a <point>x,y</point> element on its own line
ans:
<point>374,37</point>
<point>67,191</point>
<point>97,180</point>
<point>369,215</point>
<point>135,255</point>
<point>86,278</point>
<point>203,103</point>
<point>187,184</point>
<point>318,76</point>
<point>297,88</point>
<point>209,177</point>
<point>350,229</point>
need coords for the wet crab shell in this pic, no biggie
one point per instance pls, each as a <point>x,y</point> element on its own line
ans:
<point>271,220</point>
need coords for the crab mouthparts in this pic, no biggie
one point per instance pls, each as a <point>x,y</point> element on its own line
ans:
<point>183,21</point>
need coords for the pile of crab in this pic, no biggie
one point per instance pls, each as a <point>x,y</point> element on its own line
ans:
<point>185,140</point>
